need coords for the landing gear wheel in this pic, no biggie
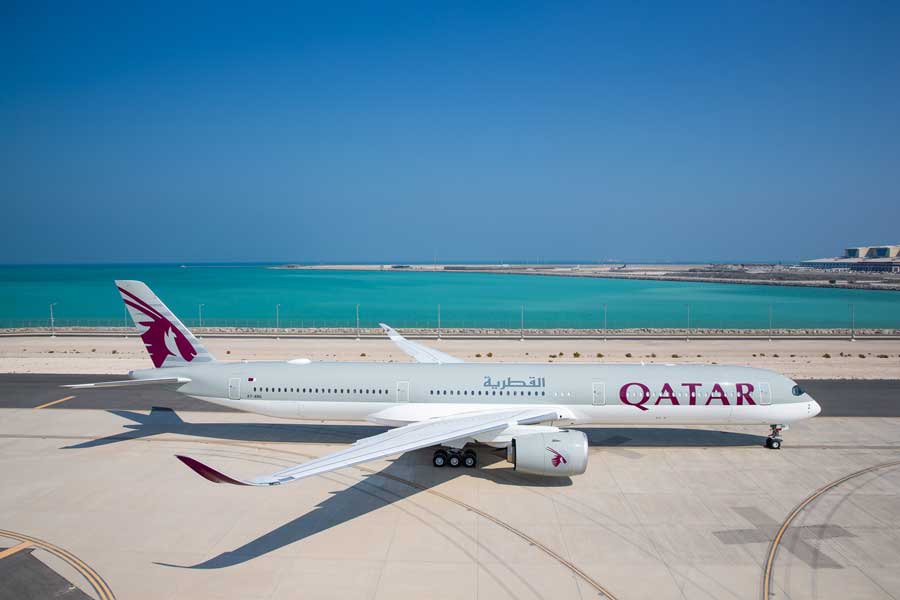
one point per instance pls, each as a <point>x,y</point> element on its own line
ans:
<point>470,459</point>
<point>774,440</point>
<point>454,460</point>
<point>440,458</point>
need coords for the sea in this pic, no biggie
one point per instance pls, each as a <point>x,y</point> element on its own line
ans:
<point>259,296</point>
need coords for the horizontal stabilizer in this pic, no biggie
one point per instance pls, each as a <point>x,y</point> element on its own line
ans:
<point>131,383</point>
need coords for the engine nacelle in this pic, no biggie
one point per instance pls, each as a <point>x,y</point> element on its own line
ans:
<point>557,454</point>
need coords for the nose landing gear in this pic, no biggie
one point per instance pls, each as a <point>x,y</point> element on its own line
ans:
<point>774,440</point>
<point>455,458</point>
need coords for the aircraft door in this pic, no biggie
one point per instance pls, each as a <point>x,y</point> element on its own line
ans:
<point>234,388</point>
<point>402,391</point>
<point>598,396</point>
<point>765,393</point>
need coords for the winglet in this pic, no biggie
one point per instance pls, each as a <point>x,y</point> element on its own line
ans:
<point>420,352</point>
<point>208,472</point>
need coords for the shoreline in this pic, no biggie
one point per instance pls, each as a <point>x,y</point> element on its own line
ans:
<point>738,274</point>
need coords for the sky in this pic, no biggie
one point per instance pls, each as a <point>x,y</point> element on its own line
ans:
<point>369,132</point>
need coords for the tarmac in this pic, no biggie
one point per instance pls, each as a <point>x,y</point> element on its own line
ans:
<point>92,495</point>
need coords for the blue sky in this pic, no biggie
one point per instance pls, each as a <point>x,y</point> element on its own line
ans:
<point>185,132</point>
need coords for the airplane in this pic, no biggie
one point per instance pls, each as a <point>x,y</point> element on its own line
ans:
<point>440,400</point>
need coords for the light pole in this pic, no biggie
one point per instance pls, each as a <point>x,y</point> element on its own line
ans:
<point>688,338</point>
<point>852,323</point>
<point>522,324</point>
<point>200,315</point>
<point>770,322</point>
<point>357,322</point>
<point>439,321</point>
<point>277,320</point>
<point>604,323</point>
<point>52,323</point>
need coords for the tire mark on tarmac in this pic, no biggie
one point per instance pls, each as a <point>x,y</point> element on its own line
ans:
<point>378,493</point>
<point>101,588</point>
<point>773,549</point>
<point>419,487</point>
<point>422,488</point>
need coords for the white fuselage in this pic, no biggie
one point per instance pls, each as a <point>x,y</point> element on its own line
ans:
<point>398,393</point>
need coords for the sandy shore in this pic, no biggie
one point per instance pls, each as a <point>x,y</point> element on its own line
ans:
<point>798,358</point>
<point>754,274</point>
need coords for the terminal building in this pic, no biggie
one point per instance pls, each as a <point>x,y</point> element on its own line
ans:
<point>861,258</point>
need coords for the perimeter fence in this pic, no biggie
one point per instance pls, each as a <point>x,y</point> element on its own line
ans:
<point>709,319</point>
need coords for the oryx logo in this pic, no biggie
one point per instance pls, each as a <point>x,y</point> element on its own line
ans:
<point>161,338</point>
<point>557,457</point>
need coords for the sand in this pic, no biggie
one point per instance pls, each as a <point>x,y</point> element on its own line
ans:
<point>799,359</point>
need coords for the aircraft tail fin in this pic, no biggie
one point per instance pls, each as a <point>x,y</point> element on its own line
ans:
<point>168,341</point>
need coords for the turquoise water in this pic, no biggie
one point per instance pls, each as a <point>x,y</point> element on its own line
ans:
<point>247,295</point>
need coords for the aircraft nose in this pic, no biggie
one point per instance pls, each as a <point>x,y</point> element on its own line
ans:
<point>814,408</point>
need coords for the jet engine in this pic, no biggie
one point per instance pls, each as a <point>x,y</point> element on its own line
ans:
<point>557,454</point>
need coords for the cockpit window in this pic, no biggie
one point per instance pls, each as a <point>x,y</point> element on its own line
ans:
<point>797,390</point>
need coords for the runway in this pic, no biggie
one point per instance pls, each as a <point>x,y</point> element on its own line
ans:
<point>838,397</point>
<point>662,512</point>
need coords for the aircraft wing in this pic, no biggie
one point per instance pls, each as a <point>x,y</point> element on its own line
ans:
<point>420,352</point>
<point>395,441</point>
<point>131,382</point>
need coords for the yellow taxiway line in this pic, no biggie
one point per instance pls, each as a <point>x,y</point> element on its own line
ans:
<point>101,588</point>
<point>54,402</point>
<point>773,549</point>
<point>14,549</point>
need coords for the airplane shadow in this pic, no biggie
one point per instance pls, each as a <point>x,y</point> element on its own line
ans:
<point>389,485</point>
<point>667,437</point>
<point>376,491</point>
<point>166,420</point>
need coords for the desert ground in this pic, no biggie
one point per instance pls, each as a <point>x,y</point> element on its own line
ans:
<point>797,358</point>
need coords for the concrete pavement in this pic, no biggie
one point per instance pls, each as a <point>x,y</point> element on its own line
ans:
<point>661,513</point>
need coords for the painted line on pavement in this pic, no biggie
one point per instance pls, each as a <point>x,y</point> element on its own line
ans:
<point>54,402</point>
<point>101,588</point>
<point>773,549</point>
<point>14,549</point>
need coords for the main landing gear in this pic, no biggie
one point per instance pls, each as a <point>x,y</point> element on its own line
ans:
<point>454,458</point>
<point>774,440</point>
